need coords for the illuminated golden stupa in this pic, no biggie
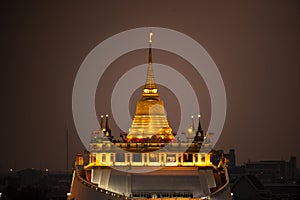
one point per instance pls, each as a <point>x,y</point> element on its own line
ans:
<point>150,122</point>
<point>143,165</point>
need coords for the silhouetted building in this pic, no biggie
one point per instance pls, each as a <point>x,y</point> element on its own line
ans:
<point>248,187</point>
<point>273,171</point>
<point>231,157</point>
<point>35,185</point>
<point>287,191</point>
<point>292,174</point>
<point>271,179</point>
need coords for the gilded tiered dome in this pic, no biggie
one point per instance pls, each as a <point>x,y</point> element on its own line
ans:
<point>150,122</point>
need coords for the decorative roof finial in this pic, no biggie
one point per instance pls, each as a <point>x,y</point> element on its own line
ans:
<point>106,124</point>
<point>150,37</point>
<point>102,123</point>
<point>200,130</point>
<point>192,123</point>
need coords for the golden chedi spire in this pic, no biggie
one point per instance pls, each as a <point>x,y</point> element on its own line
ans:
<point>150,83</point>
<point>150,122</point>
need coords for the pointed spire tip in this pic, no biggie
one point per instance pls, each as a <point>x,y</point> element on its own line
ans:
<point>150,86</point>
<point>150,37</point>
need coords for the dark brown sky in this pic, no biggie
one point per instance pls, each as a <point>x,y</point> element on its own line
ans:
<point>255,44</point>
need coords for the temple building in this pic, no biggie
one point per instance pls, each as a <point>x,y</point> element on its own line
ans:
<point>148,163</point>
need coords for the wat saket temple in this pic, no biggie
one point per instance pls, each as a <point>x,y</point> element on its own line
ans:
<point>148,162</point>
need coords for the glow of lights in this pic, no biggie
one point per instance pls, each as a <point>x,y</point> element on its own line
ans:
<point>68,194</point>
<point>146,91</point>
<point>10,169</point>
<point>199,115</point>
<point>47,169</point>
<point>101,116</point>
<point>231,194</point>
<point>106,115</point>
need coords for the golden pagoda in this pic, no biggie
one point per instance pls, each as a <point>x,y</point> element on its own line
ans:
<point>143,165</point>
<point>150,122</point>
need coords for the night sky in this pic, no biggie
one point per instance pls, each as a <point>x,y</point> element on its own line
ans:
<point>255,44</point>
